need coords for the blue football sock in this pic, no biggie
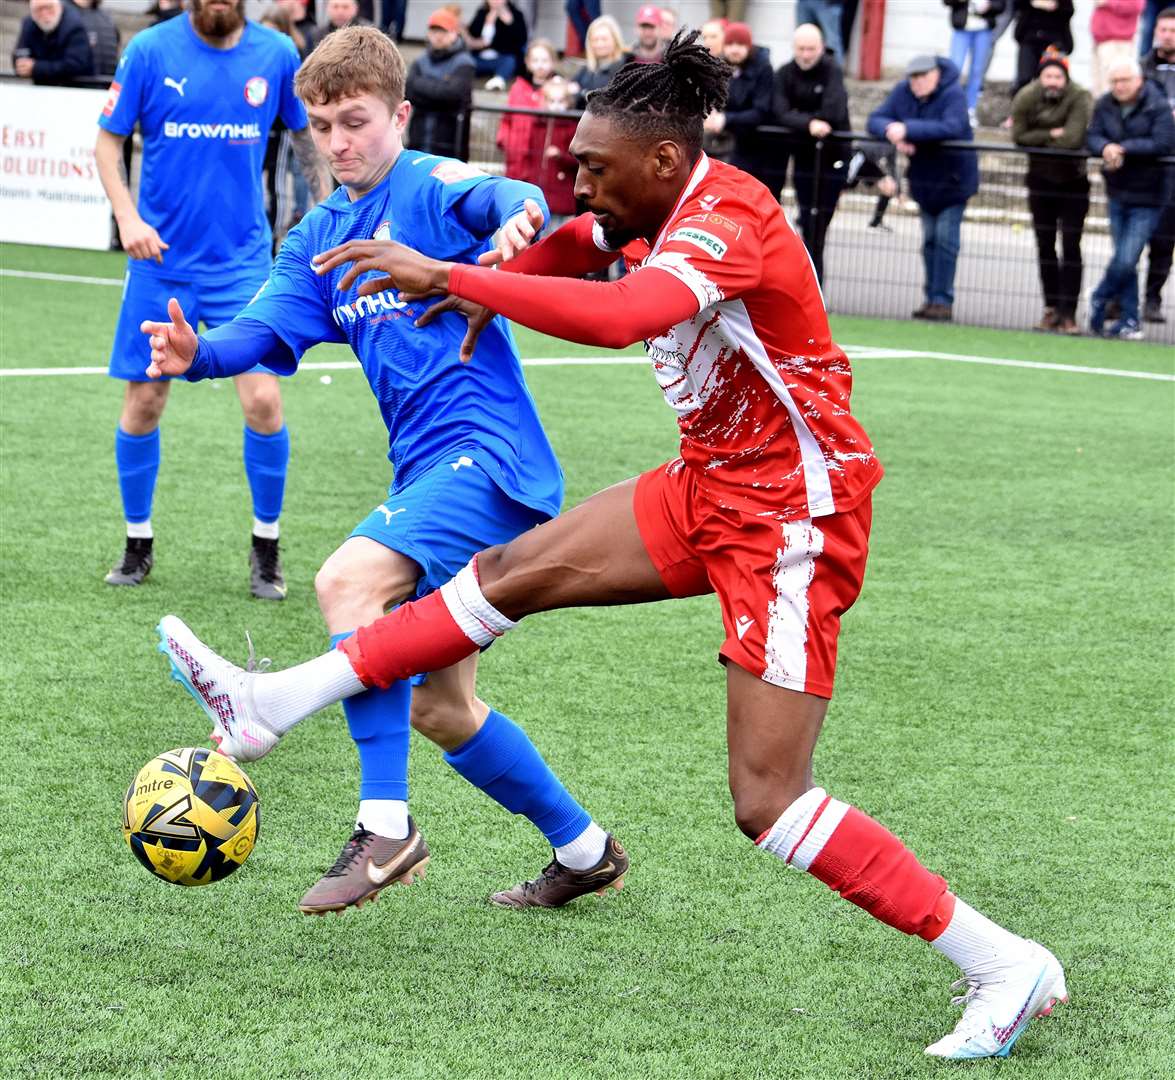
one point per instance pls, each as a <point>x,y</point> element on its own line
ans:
<point>137,458</point>
<point>266,457</point>
<point>380,724</point>
<point>502,761</point>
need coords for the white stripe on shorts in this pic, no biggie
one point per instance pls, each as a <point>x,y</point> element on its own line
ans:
<point>787,615</point>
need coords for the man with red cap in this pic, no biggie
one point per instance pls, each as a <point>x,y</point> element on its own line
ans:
<point>1053,111</point>
<point>749,107</point>
<point>440,87</point>
<point>648,48</point>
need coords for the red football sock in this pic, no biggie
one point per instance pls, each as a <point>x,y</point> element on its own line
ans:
<point>416,637</point>
<point>863,861</point>
<point>428,634</point>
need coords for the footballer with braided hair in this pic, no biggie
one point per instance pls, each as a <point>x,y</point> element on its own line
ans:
<point>768,505</point>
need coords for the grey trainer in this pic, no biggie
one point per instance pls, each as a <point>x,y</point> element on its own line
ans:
<point>137,560</point>
<point>266,580</point>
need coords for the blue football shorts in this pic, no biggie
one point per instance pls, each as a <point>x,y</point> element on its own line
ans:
<point>145,297</point>
<point>445,517</point>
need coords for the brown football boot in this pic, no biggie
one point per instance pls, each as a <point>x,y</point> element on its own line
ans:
<point>367,864</point>
<point>558,885</point>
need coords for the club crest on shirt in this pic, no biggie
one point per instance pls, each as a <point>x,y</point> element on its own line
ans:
<point>256,91</point>
<point>384,232</point>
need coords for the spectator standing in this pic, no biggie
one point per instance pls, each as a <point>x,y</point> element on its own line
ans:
<point>102,34</point>
<point>1112,27</point>
<point>1159,67</point>
<point>1150,18</point>
<point>162,10</point>
<point>522,136</point>
<point>668,26</point>
<point>1039,24</point>
<point>730,10</point>
<point>340,13</point>
<point>283,211</point>
<point>582,14</point>
<point>394,14</point>
<point>714,35</point>
<point>52,48</point>
<point>305,29</point>
<point>497,41</point>
<point>1054,112</point>
<point>606,55</point>
<point>925,109</point>
<point>440,87</point>
<point>648,48</point>
<point>748,107</point>
<point>557,167</point>
<point>1131,128</point>
<point>811,102</point>
<point>972,29</point>
<point>826,14</point>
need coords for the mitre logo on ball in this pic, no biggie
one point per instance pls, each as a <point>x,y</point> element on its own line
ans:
<point>256,91</point>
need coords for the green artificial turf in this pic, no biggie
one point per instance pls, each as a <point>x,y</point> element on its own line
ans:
<point>1004,704</point>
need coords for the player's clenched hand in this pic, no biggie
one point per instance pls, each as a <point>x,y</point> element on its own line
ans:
<point>516,235</point>
<point>407,270</point>
<point>140,240</point>
<point>477,316</point>
<point>173,344</point>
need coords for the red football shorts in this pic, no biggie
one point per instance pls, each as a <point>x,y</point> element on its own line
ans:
<point>783,585</point>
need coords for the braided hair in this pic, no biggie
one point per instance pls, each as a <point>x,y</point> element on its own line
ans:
<point>666,100</point>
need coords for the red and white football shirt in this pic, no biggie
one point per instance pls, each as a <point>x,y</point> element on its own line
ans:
<point>760,390</point>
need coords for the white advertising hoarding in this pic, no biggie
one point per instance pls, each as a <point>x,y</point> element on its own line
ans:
<point>49,187</point>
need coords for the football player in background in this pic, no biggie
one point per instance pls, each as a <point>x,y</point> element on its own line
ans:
<point>473,466</point>
<point>769,504</point>
<point>205,89</point>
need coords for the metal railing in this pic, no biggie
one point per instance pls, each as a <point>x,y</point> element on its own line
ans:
<point>873,265</point>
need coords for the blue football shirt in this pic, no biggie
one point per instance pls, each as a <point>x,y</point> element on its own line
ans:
<point>431,402</point>
<point>205,115</point>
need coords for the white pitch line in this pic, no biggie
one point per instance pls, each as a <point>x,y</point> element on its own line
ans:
<point>71,279</point>
<point>996,361</point>
<point>857,352</point>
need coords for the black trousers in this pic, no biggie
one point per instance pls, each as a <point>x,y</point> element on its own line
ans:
<point>1159,262</point>
<point>819,182</point>
<point>1059,208</point>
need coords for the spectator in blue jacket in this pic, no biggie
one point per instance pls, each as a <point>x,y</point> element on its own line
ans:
<point>927,108</point>
<point>53,47</point>
<point>1132,128</point>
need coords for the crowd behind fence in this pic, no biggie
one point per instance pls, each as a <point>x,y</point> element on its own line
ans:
<point>872,260</point>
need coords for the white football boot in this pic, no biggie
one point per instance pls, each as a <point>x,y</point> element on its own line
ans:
<point>1000,1002</point>
<point>223,690</point>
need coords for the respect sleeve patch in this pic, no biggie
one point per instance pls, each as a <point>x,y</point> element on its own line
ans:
<point>700,238</point>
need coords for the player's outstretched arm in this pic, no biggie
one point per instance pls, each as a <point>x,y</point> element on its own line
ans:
<point>407,270</point>
<point>173,343</point>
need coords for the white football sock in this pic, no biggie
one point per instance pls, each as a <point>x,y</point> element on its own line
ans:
<point>585,850</point>
<point>266,530</point>
<point>478,619</point>
<point>282,698</point>
<point>975,943</point>
<point>140,530</point>
<point>384,817</point>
